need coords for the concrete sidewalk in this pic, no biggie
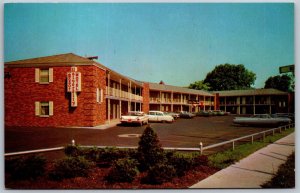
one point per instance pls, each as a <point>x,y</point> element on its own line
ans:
<point>254,170</point>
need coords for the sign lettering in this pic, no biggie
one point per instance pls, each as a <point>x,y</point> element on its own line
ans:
<point>74,85</point>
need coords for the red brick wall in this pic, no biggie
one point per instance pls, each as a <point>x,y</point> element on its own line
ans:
<point>21,92</point>
<point>146,98</point>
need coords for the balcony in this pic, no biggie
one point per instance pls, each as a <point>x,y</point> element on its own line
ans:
<point>167,100</point>
<point>117,93</point>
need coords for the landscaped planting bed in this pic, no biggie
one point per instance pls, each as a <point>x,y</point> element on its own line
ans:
<point>147,167</point>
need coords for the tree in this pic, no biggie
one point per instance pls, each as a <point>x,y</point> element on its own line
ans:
<point>199,85</point>
<point>280,82</point>
<point>230,77</point>
<point>150,151</point>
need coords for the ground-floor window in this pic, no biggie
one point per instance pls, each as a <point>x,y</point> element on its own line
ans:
<point>44,108</point>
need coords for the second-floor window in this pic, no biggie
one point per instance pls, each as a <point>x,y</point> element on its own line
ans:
<point>44,75</point>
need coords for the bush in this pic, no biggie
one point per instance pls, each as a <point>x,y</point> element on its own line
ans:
<point>159,174</point>
<point>70,167</point>
<point>181,163</point>
<point>73,150</point>
<point>123,170</point>
<point>26,168</point>
<point>91,154</point>
<point>150,151</point>
<point>200,160</point>
<point>285,176</point>
<point>110,154</point>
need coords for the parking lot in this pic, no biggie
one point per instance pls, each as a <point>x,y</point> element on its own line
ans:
<point>181,133</point>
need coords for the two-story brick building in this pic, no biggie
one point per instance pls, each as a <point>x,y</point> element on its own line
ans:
<point>70,90</point>
<point>41,92</point>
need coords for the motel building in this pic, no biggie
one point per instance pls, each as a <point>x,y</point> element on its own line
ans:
<point>70,90</point>
<point>255,101</point>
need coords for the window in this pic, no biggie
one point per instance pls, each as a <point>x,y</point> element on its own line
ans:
<point>44,108</point>
<point>44,76</point>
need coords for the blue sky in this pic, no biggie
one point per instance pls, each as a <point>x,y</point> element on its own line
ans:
<point>177,43</point>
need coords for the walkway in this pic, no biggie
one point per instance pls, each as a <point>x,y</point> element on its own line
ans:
<point>254,170</point>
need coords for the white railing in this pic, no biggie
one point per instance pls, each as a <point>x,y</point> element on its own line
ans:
<point>233,141</point>
<point>122,94</point>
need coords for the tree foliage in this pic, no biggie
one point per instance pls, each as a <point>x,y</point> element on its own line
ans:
<point>150,151</point>
<point>280,82</point>
<point>199,85</point>
<point>230,77</point>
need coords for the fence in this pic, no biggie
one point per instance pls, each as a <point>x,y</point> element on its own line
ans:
<point>201,148</point>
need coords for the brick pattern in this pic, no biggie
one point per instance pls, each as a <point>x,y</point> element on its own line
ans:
<point>21,92</point>
<point>146,97</point>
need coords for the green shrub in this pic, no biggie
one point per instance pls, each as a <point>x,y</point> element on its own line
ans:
<point>123,170</point>
<point>200,160</point>
<point>73,150</point>
<point>110,154</point>
<point>159,174</point>
<point>181,163</point>
<point>26,168</point>
<point>224,159</point>
<point>70,167</point>
<point>285,176</point>
<point>150,151</point>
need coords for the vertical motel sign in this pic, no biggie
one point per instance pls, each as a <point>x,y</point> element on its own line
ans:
<point>74,85</point>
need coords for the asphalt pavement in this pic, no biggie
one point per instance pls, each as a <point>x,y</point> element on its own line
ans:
<point>254,170</point>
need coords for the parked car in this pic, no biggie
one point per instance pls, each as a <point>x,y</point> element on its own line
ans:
<point>219,112</point>
<point>261,120</point>
<point>286,115</point>
<point>136,117</point>
<point>185,114</point>
<point>159,116</point>
<point>205,113</point>
<point>174,115</point>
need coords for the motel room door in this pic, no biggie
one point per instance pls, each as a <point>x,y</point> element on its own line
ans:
<point>116,111</point>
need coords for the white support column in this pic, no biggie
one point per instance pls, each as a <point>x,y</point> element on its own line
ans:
<point>129,101</point>
<point>190,106</point>
<point>204,103</point>
<point>108,100</point>
<point>120,102</point>
<point>134,100</point>
<point>160,101</point>
<point>225,104</point>
<point>172,101</point>
<point>254,104</point>
<point>270,105</point>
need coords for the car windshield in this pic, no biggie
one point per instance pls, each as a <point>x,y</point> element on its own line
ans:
<point>135,114</point>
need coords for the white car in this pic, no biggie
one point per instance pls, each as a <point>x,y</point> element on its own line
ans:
<point>159,116</point>
<point>135,117</point>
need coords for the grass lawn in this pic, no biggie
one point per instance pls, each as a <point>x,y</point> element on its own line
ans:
<point>226,158</point>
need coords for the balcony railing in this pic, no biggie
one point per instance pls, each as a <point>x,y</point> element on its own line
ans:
<point>248,103</point>
<point>177,101</point>
<point>122,94</point>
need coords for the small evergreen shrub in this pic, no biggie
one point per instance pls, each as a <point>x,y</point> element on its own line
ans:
<point>26,168</point>
<point>201,160</point>
<point>159,173</point>
<point>70,167</point>
<point>181,163</point>
<point>73,150</point>
<point>110,154</point>
<point>150,151</point>
<point>91,154</point>
<point>123,170</point>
